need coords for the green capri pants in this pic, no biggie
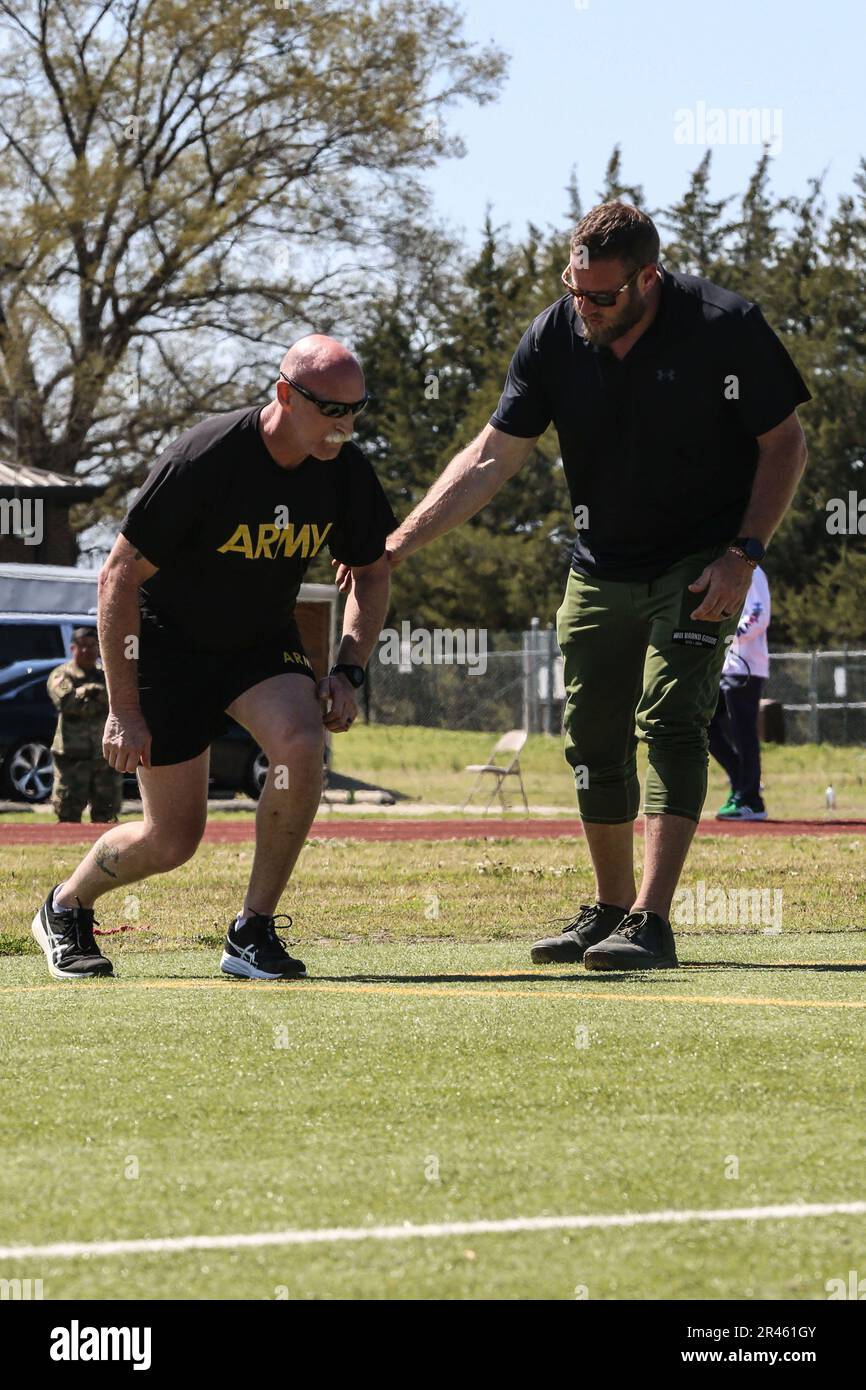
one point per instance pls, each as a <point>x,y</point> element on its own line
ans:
<point>636,666</point>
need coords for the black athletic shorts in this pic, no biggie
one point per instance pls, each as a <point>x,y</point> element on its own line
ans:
<point>184,694</point>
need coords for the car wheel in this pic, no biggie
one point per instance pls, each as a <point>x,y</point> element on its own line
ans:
<point>254,777</point>
<point>28,772</point>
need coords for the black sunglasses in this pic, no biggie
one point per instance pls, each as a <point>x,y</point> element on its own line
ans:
<point>334,410</point>
<point>604,299</point>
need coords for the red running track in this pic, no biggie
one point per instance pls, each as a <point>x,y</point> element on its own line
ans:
<point>227,832</point>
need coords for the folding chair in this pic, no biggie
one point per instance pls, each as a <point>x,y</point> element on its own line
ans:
<point>511,742</point>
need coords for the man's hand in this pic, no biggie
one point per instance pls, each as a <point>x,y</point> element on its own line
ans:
<point>126,741</point>
<point>727,582</point>
<point>340,693</point>
<point>343,577</point>
<point>91,691</point>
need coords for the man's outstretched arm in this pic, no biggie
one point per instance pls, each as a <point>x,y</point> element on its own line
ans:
<point>366,606</point>
<point>126,740</point>
<point>472,477</point>
<point>365,612</point>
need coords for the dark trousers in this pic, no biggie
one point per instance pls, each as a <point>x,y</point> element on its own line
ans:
<point>734,736</point>
<point>637,666</point>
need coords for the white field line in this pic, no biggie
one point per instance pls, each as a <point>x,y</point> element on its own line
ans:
<point>169,1245</point>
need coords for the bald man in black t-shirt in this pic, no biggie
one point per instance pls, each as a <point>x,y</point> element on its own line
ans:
<point>196,604</point>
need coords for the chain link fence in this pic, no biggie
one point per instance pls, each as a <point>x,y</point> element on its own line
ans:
<point>486,695</point>
<point>517,684</point>
<point>823,695</point>
<point>491,681</point>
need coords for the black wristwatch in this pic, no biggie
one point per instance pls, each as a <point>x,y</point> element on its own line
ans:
<point>355,675</point>
<point>752,549</point>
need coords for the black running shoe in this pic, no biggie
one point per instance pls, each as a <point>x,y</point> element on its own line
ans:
<point>642,941</point>
<point>591,924</point>
<point>255,952</point>
<point>66,937</point>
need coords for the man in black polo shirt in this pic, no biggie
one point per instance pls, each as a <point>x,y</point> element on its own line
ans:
<point>675,406</point>
<point>196,605</point>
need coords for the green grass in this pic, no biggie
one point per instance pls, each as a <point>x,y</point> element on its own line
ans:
<point>231,1132</point>
<point>428,765</point>
<point>464,890</point>
<point>532,1091</point>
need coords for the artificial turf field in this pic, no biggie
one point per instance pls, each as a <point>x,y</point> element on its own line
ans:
<point>426,1073</point>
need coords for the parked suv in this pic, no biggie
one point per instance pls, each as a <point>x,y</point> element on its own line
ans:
<point>40,605</point>
<point>38,636</point>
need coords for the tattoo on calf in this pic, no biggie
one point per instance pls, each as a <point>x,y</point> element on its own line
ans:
<point>105,857</point>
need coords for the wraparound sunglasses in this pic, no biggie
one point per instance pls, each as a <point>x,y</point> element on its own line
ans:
<point>334,410</point>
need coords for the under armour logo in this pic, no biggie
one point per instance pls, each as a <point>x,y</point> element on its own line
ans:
<point>665,374</point>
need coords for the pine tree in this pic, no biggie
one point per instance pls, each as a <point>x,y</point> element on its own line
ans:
<point>696,226</point>
<point>752,248</point>
<point>614,189</point>
<point>574,208</point>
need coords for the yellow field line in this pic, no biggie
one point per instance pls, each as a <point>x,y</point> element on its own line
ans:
<point>449,992</point>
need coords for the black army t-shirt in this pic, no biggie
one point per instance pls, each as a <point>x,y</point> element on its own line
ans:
<point>659,449</point>
<point>232,533</point>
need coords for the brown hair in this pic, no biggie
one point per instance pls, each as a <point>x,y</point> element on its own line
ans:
<point>617,231</point>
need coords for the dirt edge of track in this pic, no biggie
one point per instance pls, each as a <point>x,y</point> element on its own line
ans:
<point>226,832</point>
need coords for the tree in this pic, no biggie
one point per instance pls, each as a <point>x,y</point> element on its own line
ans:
<point>574,208</point>
<point>820,568</point>
<point>509,562</point>
<point>435,354</point>
<point>186,187</point>
<point>753,243</point>
<point>829,609</point>
<point>695,222</point>
<point>614,189</point>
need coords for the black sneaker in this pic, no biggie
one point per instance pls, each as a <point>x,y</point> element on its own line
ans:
<point>255,952</point>
<point>591,924</point>
<point>642,941</point>
<point>66,937</point>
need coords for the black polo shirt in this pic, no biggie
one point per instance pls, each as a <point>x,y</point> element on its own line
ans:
<point>659,448</point>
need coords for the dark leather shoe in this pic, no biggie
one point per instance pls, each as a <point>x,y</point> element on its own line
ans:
<point>642,941</point>
<point>591,924</point>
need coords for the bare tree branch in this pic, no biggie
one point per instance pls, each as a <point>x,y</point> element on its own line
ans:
<point>193,186</point>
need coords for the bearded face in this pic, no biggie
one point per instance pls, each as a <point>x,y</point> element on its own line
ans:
<point>604,326</point>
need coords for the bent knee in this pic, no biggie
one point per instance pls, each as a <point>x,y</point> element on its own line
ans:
<point>303,743</point>
<point>171,848</point>
<point>683,738</point>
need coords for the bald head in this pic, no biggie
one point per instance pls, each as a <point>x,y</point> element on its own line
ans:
<point>324,366</point>
<point>293,425</point>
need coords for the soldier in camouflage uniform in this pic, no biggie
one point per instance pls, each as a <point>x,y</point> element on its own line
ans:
<point>81,774</point>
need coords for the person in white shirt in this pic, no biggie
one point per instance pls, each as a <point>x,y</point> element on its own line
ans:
<point>734,728</point>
